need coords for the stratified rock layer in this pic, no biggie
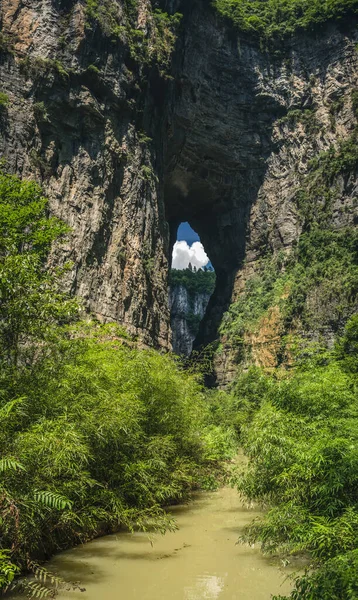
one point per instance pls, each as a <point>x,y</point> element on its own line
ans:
<point>125,155</point>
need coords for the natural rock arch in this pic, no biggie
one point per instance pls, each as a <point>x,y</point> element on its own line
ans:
<point>219,137</point>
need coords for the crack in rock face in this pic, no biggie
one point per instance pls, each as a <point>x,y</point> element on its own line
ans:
<point>125,155</point>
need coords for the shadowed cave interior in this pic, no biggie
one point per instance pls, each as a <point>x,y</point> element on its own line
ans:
<point>215,164</point>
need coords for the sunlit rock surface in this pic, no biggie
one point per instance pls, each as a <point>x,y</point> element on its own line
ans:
<point>186,311</point>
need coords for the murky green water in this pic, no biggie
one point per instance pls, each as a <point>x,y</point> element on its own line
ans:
<point>198,562</point>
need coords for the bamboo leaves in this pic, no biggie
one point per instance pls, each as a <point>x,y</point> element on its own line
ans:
<point>7,464</point>
<point>303,450</point>
<point>52,500</point>
<point>94,433</point>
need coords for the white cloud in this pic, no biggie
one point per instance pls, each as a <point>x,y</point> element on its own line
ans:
<point>183,254</point>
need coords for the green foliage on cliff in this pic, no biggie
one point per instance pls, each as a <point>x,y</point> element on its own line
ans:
<point>36,67</point>
<point>262,291</point>
<point>302,445</point>
<point>152,43</point>
<point>4,101</point>
<point>94,434</point>
<point>324,287</point>
<point>306,116</point>
<point>275,19</point>
<point>195,282</point>
<point>315,288</point>
<point>321,186</point>
<point>193,322</point>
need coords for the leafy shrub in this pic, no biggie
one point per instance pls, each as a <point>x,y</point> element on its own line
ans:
<point>307,117</point>
<point>336,580</point>
<point>247,393</point>
<point>36,67</point>
<point>93,70</point>
<point>302,445</point>
<point>94,433</point>
<point>99,436</point>
<point>220,443</point>
<point>31,300</point>
<point>40,111</point>
<point>6,44</point>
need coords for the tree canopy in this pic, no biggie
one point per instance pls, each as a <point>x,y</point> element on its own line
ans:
<point>276,19</point>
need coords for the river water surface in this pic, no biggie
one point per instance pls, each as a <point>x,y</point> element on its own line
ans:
<point>200,561</point>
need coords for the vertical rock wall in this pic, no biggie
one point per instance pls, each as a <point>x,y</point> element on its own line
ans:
<point>82,121</point>
<point>186,312</point>
<point>235,157</point>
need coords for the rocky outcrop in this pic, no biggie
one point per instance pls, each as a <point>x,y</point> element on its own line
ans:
<point>125,154</point>
<point>234,177</point>
<point>82,121</point>
<point>186,312</point>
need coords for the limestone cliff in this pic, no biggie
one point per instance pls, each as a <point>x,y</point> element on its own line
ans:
<point>82,120</point>
<point>189,294</point>
<point>125,153</point>
<point>186,312</point>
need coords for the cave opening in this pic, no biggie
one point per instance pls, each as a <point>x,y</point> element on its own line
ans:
<point>216,151</point>
<point>220,227</point>
<point>191,284</point>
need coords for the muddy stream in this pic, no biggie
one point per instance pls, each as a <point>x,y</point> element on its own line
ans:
<point>200,561</point>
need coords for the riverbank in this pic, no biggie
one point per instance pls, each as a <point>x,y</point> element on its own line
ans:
<point>200,561</point>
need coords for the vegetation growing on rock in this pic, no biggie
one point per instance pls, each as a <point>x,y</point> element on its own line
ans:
<point>198,285</point>
<point>4,100</point>
<point>315,286</point>
<point>196,282</point>
<point>273,19</point>
<point>152,43</point>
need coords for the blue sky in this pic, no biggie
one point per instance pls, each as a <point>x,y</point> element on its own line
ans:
<point>188,249</point>
<point>185,232</point>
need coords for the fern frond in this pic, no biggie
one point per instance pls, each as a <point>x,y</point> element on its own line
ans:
<point>37,590</point>
<point>42,574</point>
<point>7,464</point>
<point>52,500</point>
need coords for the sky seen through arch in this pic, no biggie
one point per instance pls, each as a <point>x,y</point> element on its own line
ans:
<point>188,249</point>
